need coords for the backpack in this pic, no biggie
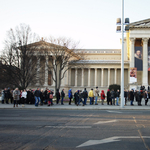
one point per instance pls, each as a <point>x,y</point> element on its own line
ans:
<point>51,96</point>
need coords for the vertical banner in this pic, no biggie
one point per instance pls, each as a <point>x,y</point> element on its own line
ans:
<point>138,57</point>
<point>148,58</point>
<point>133,75</point>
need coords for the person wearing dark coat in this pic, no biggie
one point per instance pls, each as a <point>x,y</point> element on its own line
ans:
<point>62,96</point>
<point>137,97</point>
<point>76,97</point>
<point>85,96</point>
<point>125,96</point>
<point>146,97</point>
<point>113,96</point>
<point>80,94</point>
<point>6,95</point>
<point>57,96</point>
<point>131,97</point>
<point>29,97</point>
<point>46,96</point>
<point>37,96</point>
<point>108,97</point>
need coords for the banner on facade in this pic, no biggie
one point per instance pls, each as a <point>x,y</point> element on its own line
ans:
<point>138,57</point>
<point>133,75</point>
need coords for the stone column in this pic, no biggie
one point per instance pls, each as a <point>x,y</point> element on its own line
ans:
<point>46,71</point>
<point>66,77</point>
<point>89,77</point>
<point>53,74</point>
<point>38,71</point>
<point>95,77</point>
<point>102,77</point>
<point>145,62</point>
<point>62,81</point>
<point>108,77</point>
<point>132,49</point>
<point>69,77</point>
<point>82,84</point>
<point>76,77</point>
<point>115,75</point>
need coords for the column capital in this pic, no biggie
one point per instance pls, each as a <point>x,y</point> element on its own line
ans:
<point>132,40</point>
<point>145,40</point>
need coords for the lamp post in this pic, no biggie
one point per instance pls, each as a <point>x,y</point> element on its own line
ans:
<point>121,29</point>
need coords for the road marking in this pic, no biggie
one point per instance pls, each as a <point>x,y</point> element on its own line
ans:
<point>102,122</point>
<point>134,119</point>
<point>108,140</point>
<point>114,111</point>
<point>74,127</point>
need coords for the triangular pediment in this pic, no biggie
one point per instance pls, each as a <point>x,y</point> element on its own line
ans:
<point>43,43</point>
<point>140,24</point>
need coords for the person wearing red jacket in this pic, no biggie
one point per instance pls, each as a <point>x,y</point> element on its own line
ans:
<point>102,97</point>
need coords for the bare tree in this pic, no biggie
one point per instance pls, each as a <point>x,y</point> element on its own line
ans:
<point>18,58</point>
<point>64,55</point>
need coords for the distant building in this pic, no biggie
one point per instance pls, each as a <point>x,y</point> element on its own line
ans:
<point>102,67</point>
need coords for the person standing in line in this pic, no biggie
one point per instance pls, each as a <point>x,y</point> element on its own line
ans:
<point>37,97</point>
<point>16,96</point>
<point>146,97</point>
<point>80,98</point>
<point>141,96</point>
<point>57,96</point>
<point>76,97</point>
<point>96,95</point>
<point>91,96</point>
<point>3,96</point>
<point>46,96</point>
<point>20,98</point>
<point>85,95</point>
<point>113,96</point>
<point>62,97</point>
<point>41,97</point>
<point>23,97</point>
<point>6,95</point>
<point>102,97</point>
<point>137,97</point>
<point>117,97</point>
<point>70,96</point>
<point>131,97</point>
<point>108,97</point>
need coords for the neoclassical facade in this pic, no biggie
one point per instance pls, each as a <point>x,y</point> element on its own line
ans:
<point>102,67</point>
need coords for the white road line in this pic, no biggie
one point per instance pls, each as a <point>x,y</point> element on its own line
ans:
<point>102,122</point>
<point>74,127</point>
<point>114,111</point>
<point>108,140</point>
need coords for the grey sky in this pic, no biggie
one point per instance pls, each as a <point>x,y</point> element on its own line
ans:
<point>92,22</point>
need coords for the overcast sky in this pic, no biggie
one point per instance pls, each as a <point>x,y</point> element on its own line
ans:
<point>92,22</point>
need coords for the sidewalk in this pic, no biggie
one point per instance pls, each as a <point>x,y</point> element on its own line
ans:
<point>73,106</point>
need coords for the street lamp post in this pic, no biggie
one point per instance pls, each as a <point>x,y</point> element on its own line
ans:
<point>121,28</point>
<point>122,59</point>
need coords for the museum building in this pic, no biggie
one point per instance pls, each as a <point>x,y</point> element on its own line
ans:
<point>102,67</point>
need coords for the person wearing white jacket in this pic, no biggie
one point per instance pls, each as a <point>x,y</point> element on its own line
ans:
<point>24,97</point>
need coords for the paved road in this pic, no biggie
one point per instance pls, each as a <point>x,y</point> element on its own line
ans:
<point>39,129</point>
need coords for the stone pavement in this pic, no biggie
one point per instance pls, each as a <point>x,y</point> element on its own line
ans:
<point>73,106</point>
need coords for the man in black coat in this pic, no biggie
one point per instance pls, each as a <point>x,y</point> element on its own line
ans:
<point>132,97</point>
<point>85,96</point>
<point>108,97</point>
<point>57,96</point>
<point>125,96</point>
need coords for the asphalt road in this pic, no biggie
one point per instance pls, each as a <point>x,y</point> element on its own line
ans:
<point>39,129</point>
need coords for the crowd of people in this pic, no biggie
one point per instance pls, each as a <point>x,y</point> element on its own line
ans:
<point>40,97</point>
